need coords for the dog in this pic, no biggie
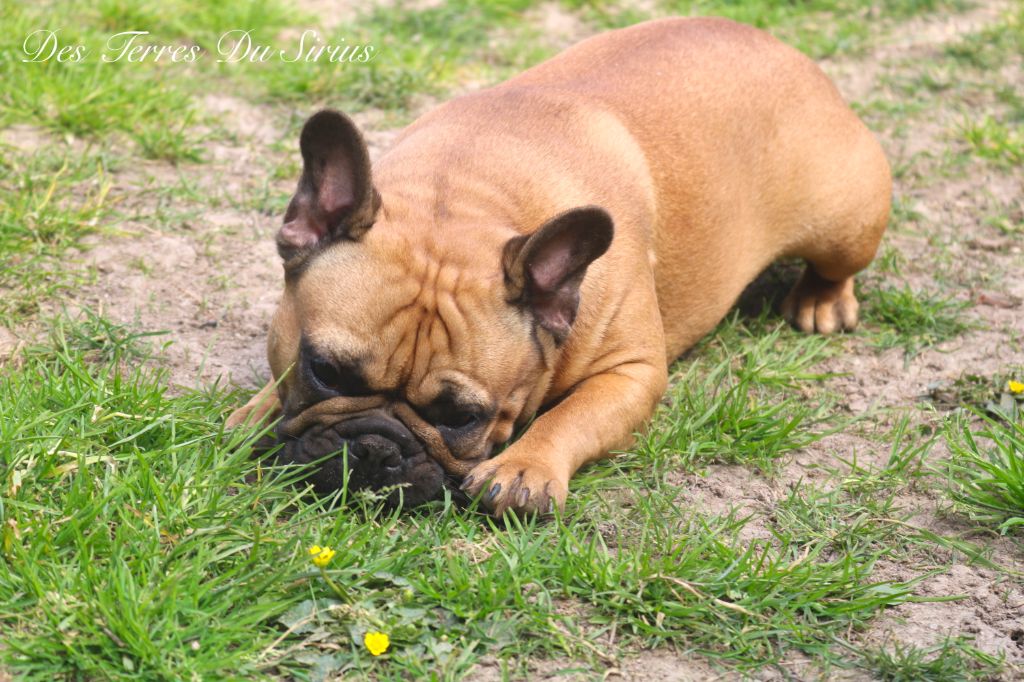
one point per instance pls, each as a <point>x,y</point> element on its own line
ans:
<point>542,249</point>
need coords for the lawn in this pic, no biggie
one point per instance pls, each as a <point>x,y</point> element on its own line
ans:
<point>800,507</point>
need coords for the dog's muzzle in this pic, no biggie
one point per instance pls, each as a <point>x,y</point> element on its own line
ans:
<point>368,449</point>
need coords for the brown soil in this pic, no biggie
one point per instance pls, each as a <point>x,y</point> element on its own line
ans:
<point>211,282</point>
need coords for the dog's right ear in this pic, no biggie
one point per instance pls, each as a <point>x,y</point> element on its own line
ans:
<point>544,270</point>
<point>335,198</point>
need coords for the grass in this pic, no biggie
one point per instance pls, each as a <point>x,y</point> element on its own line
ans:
<point>912,320</point>
<point>986,470</point>
<point>132,521</point>
<point>996,141</point>
<point>427,50</point>
<point>988,48</point>
<point>91,98</point>
<point>1009,220</point>
<point>955,658</point>
<point>998,136</point>
<point>48,203</point>
<point>104,482</point>
<point>909,450</point>
<point>979,72</point>
<point>89,117</point>
<point>980,392</point>
<point>415,52</point>
<point>744,401</point>
<point>820,28</point>
<point>116,98</point>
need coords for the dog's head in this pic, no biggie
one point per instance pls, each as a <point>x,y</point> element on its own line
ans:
<point>413,337</point>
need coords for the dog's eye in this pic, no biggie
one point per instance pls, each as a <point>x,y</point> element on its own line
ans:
<point>457,419</point>
<point>447,415</point>
<point>325,373</point>
<point>341,380</point>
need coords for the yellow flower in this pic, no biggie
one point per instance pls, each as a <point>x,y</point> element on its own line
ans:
<point>321,555</point>
<point>376,642</point>
<point>1015,386</point>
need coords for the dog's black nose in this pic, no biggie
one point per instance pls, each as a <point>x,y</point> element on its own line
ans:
<point>376,450</point>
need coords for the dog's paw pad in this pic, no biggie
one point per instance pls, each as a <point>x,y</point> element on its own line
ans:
<point>818,305</point>
<point>509,485</point>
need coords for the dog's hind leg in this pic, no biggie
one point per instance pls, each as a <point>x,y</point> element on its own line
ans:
<point>819,305</point>
<point>841,241</point>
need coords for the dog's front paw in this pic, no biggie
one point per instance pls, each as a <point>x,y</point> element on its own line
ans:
<point>818,305</point>
<point>522,485</point>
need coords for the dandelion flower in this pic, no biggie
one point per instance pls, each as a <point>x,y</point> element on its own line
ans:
<point>376,642</point>
<point>1016,387</point>
<point>321,555</point>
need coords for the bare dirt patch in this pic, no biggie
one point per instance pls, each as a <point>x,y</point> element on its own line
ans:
<point>24,137</point>
<point>559,27</point>
<point>215,318</point>
<point>209,277</point>
<point>859,79</point>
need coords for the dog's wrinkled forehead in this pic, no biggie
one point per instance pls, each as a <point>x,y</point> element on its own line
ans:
<point>408,320</point>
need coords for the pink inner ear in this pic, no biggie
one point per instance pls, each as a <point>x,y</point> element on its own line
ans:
<point>549,272</point>
<point>336,192</point>
<point>300,233</point>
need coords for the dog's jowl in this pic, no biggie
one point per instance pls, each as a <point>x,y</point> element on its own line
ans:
<point>545,247</point>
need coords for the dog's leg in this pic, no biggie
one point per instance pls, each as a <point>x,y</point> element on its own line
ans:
<point>263,405</point>
<point>819,305</point>
<point>823,300</point>
<point>600,415</point>
<point>845,219</point>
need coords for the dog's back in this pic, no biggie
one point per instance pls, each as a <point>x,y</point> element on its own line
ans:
<point>723,149</point>
<point>752,151</point>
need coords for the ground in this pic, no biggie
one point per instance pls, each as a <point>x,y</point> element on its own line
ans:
<point>800,508</point>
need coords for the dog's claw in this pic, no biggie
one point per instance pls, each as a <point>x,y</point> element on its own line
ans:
<point>521,487</point>
<point>524,497</point>
<point>467,483</point>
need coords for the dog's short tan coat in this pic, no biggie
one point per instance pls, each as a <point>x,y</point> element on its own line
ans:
<point>715,150</point>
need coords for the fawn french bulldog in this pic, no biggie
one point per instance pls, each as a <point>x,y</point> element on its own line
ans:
<point>545,247</point>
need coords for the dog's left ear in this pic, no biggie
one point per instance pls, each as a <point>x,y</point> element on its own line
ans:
<point>335,198</point>
<point>544,270</point>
